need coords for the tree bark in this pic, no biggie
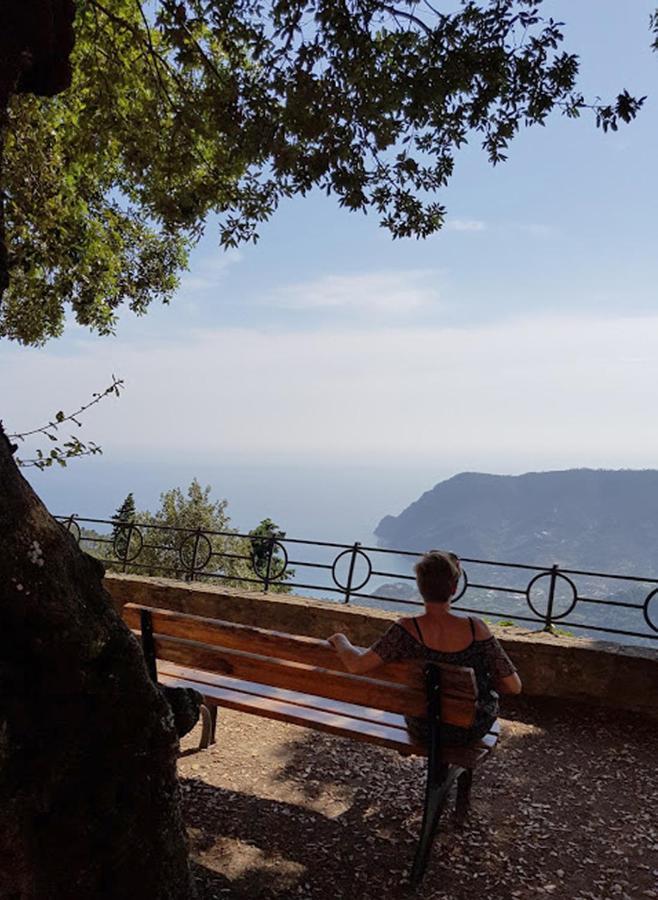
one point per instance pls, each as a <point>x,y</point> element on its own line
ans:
<point>89,799</point>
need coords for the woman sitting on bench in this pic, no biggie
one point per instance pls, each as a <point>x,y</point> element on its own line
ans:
<point>441,636</point>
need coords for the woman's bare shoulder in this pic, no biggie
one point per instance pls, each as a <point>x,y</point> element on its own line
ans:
<point>405,627</point>
<point>480,629</point>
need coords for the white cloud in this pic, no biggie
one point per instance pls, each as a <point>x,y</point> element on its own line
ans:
<point>569,390</point>
<point>538,230</point>
<point>209,272</point>
<point>465,225</point>
<point>534,229</point>
<point>376,292</point>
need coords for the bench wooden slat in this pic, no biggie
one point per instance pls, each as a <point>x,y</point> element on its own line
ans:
<point>297,713</point>
<point>351,710</point>
<point>457,681</point>
<point>356,729</point>
<point>296,648</point>
<point>293,676</point>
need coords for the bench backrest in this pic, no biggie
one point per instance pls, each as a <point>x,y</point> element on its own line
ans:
<point>302,664</point>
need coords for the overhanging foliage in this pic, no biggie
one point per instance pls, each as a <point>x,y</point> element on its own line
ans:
<point>184,108</point>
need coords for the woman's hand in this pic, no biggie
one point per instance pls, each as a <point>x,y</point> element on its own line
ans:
<point>353,658</point>
<point>338,641</point>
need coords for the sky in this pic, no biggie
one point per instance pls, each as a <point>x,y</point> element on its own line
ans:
<point>524,336</point>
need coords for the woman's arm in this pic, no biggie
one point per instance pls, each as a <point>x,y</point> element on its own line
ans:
<point>509,684</point>
<point>355,659</point>
<point>505,678</point>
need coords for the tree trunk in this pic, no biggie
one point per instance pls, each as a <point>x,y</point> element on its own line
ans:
<point>89,800</point>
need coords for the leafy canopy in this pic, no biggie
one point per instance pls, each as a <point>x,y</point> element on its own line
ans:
<point>182,108</point>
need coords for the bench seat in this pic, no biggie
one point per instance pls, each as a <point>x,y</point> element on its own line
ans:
<point>350,720</point>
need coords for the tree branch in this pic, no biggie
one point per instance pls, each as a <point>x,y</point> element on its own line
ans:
<point>395,12</point>
<point>71,448</point>
<point>157,60</point>
<point>60,418</point>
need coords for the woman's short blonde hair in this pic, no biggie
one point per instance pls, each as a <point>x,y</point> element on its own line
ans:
<point>437,574</point>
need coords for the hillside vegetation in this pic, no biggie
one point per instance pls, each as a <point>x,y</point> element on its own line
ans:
<point>594,519</point>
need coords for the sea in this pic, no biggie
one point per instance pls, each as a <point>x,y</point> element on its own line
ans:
<point>318,502</point>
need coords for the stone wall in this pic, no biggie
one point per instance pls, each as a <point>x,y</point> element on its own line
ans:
<point>580,669</point>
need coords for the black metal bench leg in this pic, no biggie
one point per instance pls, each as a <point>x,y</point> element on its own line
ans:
<point>440,779</point>
<point>463,803</point>
<point>206,727</point>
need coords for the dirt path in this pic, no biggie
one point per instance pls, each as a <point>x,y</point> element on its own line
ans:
<point>567,808</point>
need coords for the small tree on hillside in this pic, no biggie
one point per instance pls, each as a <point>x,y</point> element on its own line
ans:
<point>121,533</point>
<point>125,513</point>
<point>267,561</point>
<point>191,533</point>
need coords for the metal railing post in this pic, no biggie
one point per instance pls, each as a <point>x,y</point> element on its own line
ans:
<point>548,624</point>
<point>350,573</point>
<point>190,575</point>
<point>127,546</point>
<point>268,570</point>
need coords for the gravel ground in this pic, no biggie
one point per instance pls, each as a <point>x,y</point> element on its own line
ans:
<point>566,808</point>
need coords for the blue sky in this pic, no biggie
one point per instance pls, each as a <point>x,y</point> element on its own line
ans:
<point>523,336</point>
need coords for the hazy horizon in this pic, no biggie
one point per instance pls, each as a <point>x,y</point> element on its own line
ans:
<point>331,503</point>
<point>324,503</point>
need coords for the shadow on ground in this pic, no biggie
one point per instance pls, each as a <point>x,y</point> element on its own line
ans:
<point>564,809</point>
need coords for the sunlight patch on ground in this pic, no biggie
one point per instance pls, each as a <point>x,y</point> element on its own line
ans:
<point>235,858</point>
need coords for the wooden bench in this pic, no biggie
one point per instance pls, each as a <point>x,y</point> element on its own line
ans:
<point>301,680</point>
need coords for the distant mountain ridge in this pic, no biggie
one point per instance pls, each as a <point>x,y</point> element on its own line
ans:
<point>597,519</point>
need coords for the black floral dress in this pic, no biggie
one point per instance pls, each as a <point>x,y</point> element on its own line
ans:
<point>487,659</point>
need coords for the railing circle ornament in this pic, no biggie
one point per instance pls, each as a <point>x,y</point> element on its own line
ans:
<point>646,609</point>
<point>351,585</point>
<point>554,615</point>
<point>463,578</point>
<point>278,564</point>
<point>127,534</point>
<point>187,545</point>
<point>72,527</point>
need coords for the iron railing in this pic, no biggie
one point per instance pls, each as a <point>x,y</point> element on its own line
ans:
<point>553,597</point>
